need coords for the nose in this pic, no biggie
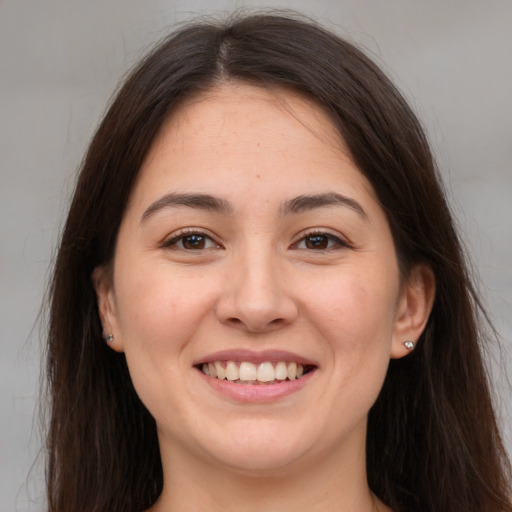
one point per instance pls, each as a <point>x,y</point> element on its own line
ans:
<point>256,297</point>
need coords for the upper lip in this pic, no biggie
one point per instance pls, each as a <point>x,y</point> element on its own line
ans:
<point>255,357</point>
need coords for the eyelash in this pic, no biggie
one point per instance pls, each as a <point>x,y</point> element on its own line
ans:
<point>189,233</point>
<point>333,242</point>
<point>337,243</point>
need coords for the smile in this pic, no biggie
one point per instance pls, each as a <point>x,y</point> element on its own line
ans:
<point>245,372</point>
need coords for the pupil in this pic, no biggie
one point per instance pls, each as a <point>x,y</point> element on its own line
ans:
<point>317,242</point>
<point>194,242</point>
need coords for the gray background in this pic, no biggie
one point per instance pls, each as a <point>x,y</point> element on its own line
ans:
<point>60,61</point>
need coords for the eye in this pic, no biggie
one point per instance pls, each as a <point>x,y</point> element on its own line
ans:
<point>319,242</point>
<point>191,241</point>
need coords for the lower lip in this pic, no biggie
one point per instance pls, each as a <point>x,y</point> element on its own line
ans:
<point>257,393</point>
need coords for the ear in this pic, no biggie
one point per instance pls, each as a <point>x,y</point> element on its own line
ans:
<point>414,307</point>
<point>102,282</point>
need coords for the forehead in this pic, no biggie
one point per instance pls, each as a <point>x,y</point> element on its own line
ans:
<point>236,132</point>
<point>274,105</point>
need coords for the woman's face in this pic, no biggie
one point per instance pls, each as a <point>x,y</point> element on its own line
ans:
<point>253,245</point>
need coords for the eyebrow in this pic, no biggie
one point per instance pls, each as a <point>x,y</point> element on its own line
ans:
<point>309,202</point>
<point>207,202</point>
<point>199,201</point>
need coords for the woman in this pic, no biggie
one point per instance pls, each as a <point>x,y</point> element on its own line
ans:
<point>260,301</point>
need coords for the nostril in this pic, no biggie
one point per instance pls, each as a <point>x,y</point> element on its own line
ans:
<point>256,325</point>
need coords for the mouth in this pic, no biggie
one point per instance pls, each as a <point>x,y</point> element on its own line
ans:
<point>248,373</point>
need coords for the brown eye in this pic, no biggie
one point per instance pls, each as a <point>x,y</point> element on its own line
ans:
<point>316,242</point>
<point>191,242</point>
<point>194,242</point>
<point>320,242</point>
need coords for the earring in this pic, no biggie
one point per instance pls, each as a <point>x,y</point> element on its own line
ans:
<point>109,338</point>
<point>409,345</point>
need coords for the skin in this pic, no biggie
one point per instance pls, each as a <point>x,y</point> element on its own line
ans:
<point>258,282</point>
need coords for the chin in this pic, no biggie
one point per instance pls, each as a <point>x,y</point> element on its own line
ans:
<point>259,450</point>
<point>258,463</point>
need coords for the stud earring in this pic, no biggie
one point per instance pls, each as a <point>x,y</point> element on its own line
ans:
<point>109,338</point>
<point>409,345</point>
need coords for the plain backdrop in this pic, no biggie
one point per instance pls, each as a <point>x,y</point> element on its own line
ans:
<point>59,63</point>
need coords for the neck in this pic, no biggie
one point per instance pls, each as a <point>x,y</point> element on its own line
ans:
<point>329,483</point>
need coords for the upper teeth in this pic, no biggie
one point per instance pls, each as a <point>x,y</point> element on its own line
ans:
<point>249,372</point>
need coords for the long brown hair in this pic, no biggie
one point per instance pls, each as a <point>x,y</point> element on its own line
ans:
<point>433,443</point>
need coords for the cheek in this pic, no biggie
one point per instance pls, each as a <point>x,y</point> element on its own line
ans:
<point>158,316</point>
<point>158,310</point>
<point>355,316</point>
<point>355,312</point>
